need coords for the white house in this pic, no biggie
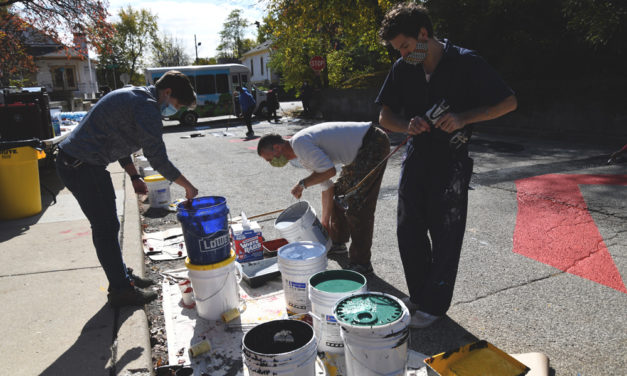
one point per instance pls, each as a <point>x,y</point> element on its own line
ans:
<point>61,69</point>
<point>257,61</point>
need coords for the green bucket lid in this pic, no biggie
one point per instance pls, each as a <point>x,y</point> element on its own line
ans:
<point>368,310</point>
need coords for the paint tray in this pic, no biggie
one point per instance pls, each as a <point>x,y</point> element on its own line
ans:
<point>270,247</point>
<point>256,273</point>
<point>476,359</point>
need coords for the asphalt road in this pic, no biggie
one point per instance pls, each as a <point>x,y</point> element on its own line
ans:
<point>569,305</point>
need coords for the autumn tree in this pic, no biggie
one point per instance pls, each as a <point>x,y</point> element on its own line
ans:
<point>168,51</point>
<point>54,19</point>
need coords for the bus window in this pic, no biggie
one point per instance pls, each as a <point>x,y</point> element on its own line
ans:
<point>244,79</point>
<point>235,80</point>
<point>205,84</point>
<point>222,83</point>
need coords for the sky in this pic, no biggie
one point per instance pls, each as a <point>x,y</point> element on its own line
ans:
<point>182,19</point>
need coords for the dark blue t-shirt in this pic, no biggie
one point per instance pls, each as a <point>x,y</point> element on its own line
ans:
<point>461,77</point>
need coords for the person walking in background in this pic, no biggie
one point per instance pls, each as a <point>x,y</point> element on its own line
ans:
<point>247,102</point>
<point>359,148</point>
<point>121,123</point>
<point>433,188</point>
<point>272,102</point>
<point>306,92</point>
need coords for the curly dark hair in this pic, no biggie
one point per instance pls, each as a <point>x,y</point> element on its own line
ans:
<point>266,142</point>
<point>182,89</point>
<point>406,19</point>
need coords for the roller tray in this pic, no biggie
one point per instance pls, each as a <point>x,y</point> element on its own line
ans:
<point>256,273</point>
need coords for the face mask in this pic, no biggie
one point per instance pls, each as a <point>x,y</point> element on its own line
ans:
<point>279,161</point>
<point>419,54</point>
<point>167,109</point>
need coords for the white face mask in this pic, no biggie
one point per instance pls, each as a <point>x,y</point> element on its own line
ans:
<point>167,109</point>
<point>419,54</point>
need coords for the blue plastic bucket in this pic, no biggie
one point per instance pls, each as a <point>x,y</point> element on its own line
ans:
<point>205,229</point>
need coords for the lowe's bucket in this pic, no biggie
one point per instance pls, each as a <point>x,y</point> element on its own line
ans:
<point>280,347</point>
<point>299,223</point>
<point>325,289</point>
<point>297,262</point>
<point>215,287</point>
<point>205,229</point>
<point>375,332</point>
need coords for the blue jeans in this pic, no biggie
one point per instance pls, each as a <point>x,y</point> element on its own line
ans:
<point>93,189</point>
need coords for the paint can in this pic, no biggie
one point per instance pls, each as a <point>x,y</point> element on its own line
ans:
<point>188,298</point>
<point>297,262</point>
<point>205,227</point>
<point>280,347</point>
<point>325,289</point>
<point>215,287</point>
<point>299,223</point>
<point>158,191</point>
<point>375,331</point>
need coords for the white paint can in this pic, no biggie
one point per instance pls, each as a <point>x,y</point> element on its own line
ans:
<point>299,223</point>
<point>280,347</point>
<point>297,262</point>
<point>215,287</point>
<point>375,331</point>
<point>158,191</point>
<point>325,289</point>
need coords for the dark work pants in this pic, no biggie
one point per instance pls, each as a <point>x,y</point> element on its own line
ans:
<point>432,207</point>
<point>248,114</point>
<point>357,223</point>
<point>93,189</point>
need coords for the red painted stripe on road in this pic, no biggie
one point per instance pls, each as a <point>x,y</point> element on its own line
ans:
<point>554,227</point>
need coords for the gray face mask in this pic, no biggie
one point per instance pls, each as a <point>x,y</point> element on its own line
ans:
<point>419,54</point>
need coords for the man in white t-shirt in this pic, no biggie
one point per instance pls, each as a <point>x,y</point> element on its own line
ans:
<point>359,148</point>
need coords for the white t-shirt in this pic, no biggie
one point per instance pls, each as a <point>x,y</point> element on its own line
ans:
<point>322,146</point>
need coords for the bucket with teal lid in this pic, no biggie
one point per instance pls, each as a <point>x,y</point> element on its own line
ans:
<point>375,331</point>
<point>205,227</point>
<point>325,289</point>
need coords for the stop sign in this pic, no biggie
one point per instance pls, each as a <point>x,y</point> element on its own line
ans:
<point>317,63</point>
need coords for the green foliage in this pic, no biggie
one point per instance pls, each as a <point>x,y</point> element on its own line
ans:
<point>169,52</point>
<point>602,23</point>
<point>205,61</point>
<point>232,35</point>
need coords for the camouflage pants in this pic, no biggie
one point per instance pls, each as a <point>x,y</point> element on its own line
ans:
<point>357,223</point>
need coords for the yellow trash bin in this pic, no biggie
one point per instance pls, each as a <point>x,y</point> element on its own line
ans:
<point>19,182</point>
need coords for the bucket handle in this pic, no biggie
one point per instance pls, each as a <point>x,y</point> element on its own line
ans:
<point>217,290</point>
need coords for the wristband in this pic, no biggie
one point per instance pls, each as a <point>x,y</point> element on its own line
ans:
<point>135,177</point>
<point>302,183</point>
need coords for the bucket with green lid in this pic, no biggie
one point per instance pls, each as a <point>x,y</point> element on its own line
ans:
<point>325,289</point>
<point>374,328</point>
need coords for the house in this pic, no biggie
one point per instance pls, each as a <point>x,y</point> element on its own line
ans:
<point>257,61</point>
<point>65,72</point>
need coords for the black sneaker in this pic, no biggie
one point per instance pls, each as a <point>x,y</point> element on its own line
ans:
<point>337,249</point>
<point>250,134</point>
<point>138,281</point>
<point>364,269</point>
<point>130,297</point>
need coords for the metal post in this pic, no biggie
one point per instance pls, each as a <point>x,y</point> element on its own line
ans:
<point>196,47</point>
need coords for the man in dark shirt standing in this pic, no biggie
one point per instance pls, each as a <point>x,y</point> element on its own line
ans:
<point>122,122</point>
<point>433,189</point>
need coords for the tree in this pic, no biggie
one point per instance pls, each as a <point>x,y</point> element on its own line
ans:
<point>135,33</point>
<point>232,35</point>
<point>169,52</point>
<point>205,61</point>
<point>55,19</point>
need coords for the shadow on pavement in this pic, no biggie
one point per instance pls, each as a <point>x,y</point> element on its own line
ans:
<point>93,353</point>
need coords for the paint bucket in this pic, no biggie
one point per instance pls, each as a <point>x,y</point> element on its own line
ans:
<point>215,287</point>
<point>297,262</point>
<point>374,328</point>
<point>299,222</point>
<point>158,191</point>
<point>325,289</point>
<point>280,347</point>
<point>205,227</point>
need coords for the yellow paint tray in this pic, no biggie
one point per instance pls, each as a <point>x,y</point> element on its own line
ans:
<point>476,359</point>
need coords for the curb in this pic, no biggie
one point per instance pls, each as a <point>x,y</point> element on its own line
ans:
<point>133,338</point>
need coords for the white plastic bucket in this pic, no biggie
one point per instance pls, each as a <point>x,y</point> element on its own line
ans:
<point>325,289</point>
<point>158,191</point>
<point>297,262</point>
<point>280,347</point>
<point>375,331</point>
<point>215,287</point>
<point>299,223</point>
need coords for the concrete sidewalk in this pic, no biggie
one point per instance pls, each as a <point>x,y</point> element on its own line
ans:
<point>56,320</point>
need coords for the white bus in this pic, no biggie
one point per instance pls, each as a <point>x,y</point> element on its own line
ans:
<point>214,86</point>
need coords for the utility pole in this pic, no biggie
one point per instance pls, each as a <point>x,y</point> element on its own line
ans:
<point>196,44</point>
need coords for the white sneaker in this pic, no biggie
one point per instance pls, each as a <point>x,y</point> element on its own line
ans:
<point>409,304</point>
<point>421,320</point>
